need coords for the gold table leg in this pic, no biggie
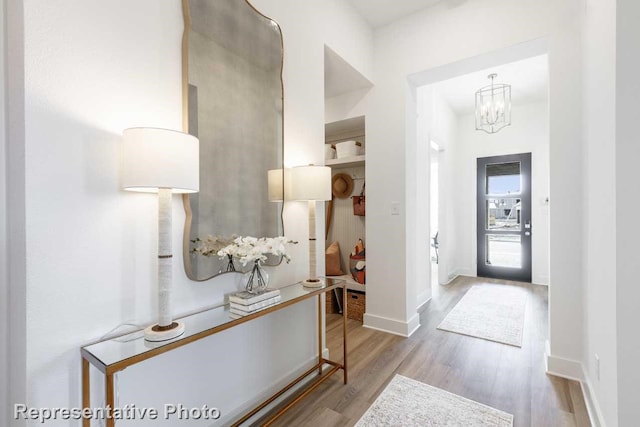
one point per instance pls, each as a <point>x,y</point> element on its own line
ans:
<point>110,399</point>
<point>344,331</point>
<point>320,357</point>
<point>86,390</point>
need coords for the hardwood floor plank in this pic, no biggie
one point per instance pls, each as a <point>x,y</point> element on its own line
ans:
<point>505,377</point>
<point>325,417</point>
<point>579,406</point>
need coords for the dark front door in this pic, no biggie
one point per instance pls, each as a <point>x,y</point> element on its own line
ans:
<point>504,217</point>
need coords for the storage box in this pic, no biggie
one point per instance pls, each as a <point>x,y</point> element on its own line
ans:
<point>329,152</point>
<point>348,149</point>
<point>331,305</point>
<point>356,305</point>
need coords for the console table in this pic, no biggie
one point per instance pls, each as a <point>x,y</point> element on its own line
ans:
<point>116,354</point>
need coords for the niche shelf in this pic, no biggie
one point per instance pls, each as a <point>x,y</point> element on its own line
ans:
<point>346,162</point>
<point>345,130</point>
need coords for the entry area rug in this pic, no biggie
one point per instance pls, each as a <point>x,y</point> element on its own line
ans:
<point>407,403</point>
<point>490,312</point>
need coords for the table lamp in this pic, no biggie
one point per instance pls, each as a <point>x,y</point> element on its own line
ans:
<point>279,185</point>
<point>311,183</point>
<point>165,162</point>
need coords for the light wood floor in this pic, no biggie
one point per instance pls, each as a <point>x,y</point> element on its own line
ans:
<point>508,378</point>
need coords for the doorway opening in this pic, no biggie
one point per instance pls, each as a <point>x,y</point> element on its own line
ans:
<point>487,247</point>
<point>434,216</point>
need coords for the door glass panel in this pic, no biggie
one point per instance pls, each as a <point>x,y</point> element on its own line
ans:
<point>503,213</point>
<point>503,178</point>
<point>504,250</point>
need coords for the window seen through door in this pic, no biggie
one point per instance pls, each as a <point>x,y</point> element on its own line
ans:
<point>503,178</point>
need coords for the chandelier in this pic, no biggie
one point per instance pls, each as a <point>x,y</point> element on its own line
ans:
<point>493,106</point>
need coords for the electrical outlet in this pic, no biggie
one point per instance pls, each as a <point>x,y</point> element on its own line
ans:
<point>395,208</point>
<point>597,359</point>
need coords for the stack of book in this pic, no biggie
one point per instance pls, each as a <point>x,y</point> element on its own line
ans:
<point>245,303</point>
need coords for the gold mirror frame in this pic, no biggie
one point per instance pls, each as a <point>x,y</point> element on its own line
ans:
<point>186,13</point>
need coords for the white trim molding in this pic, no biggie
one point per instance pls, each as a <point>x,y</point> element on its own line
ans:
<point>564,368</point>
<point>541,279</point>
<point>451,277</point>
<point>461,272</point>
<point>392,326</point>
<point>574,370</point>
<point>423,299</point>
<point>593,407</point>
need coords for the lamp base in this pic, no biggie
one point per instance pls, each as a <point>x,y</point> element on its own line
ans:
<point>313,283</point>
<point>156,333</point>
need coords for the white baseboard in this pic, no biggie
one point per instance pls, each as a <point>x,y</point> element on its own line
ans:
<point>452,277</point>
<point>563,368</point>
<point>425,297</point>
<point>541,280</point>
<point>574,370</point>
<point>392,326</point>
<point>593,408</point>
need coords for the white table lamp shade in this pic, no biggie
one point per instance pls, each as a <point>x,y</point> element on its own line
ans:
<point>276,188</point>
<point>311,183</point>
<point>160,158</point>
<point>278,191</point>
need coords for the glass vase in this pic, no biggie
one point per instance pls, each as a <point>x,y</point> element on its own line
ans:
<point>256,280</point>
<point>230,266</point>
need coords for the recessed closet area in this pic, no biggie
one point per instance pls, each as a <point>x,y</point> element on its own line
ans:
<point>345,152</point>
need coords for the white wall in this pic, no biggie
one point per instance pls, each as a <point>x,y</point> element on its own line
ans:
<point>529,133</point>
<point>4,264</point>
<point>346,106</point>
<point>599,253</point>
<point>90,246</point>
<point>627,232</point>
<point>15,198</point>
<point>424,41</point>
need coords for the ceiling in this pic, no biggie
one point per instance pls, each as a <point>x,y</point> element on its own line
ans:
<point>529,80</point>
<point>383,12</point>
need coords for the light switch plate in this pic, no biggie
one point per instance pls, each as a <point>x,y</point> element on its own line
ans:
<point>395,208</point>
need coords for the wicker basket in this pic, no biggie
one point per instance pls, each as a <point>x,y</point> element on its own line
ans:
<point>356,305</point>
<point>331,305</point>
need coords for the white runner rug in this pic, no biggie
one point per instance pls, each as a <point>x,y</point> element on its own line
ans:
<point>407,403</point>
<point>491,312</point>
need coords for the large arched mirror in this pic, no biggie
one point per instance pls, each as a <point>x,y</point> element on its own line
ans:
<point>233,102</point>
